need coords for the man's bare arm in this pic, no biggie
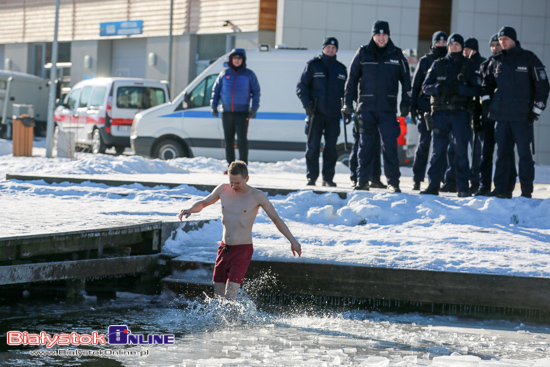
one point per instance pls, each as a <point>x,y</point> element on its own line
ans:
<point>200,205</point>
<point>281,226</point>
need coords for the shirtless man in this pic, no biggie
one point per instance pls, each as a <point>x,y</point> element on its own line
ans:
<point>240,204</point>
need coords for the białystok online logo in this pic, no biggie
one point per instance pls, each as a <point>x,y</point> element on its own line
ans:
<point>116,335</point>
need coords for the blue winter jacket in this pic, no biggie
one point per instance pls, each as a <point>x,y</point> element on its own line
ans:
<point>235,87</point>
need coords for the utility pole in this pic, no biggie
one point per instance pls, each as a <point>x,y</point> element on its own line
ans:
<point>53,80</point>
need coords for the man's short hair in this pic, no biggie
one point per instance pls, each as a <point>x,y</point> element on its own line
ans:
<point>238,168</point>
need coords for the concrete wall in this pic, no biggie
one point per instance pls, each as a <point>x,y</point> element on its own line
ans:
<point>19,54</point>
<point>99,51</point>
<point>531,19</point>
<point>304,23</point>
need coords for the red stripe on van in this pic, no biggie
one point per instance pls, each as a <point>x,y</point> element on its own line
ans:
<point>122,121</point>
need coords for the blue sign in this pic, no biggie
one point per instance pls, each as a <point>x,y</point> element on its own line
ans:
<point>126,28</point>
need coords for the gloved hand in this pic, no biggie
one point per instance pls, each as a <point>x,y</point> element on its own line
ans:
<point>404,109</point>
<point>252,114</point>
<point>347,111</point>
<point>215,112</point>
<point>414,114</point>
<point>309,110</point>
<point>533,116</point>
<point>477,124</point>
<point>448,89</point>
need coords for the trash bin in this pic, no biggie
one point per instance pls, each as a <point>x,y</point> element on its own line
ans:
<point>23,130</point>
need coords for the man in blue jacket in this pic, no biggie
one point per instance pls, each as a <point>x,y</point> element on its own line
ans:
<point>373,83</point>
<point>515,89</point>
<point>236,86</point>
<point>320,89</point>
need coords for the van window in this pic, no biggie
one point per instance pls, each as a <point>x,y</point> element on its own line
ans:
<point>98,96</point>
<point>140,98</point>
<point>85,96</point>
<point>200,96</point>
<point>72,98</point>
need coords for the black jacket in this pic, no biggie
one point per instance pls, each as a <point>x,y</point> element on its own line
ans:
<point>419,100</point>
<point>323,79</point>
<point>516,83</point>
<point>467,87</point>
<point>374,78</point>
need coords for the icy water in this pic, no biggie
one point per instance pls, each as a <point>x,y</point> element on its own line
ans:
<point>217,333</point>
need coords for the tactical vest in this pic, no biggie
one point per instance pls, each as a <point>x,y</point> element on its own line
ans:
<point>455,101</point>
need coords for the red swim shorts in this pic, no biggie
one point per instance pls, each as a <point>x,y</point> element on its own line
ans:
<point>232,263</point>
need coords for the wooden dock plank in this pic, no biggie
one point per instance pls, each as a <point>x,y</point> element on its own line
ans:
<point>51,271</point>
<point>398,284</point>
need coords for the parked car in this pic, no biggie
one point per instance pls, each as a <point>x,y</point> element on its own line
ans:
<point>186,128</point>
<point>100,111</point>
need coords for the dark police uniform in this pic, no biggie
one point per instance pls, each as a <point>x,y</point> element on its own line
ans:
<point>488,148</point>
<point>322,84</point>
<point>420,104</point>
<point>452,82</point>
<point>476,159</point>
<point>516,86</point>
<point>373,82</point>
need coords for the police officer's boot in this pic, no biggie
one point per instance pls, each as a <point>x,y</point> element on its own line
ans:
<point>416,186</point>
<point>430,191</point>
<point>362,185</point>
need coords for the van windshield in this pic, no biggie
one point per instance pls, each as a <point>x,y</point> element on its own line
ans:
<point>138,97</point>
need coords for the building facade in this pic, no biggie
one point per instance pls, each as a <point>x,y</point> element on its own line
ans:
<point>203,30</point>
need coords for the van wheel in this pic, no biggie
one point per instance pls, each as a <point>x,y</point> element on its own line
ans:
<point>119,149</point>
<point>169,149</point>
<point>98,146</point>
<point>343,156</point>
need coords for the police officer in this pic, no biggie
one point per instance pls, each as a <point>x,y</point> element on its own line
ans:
<point>373,83</point>
<point>515,89</point>
<point>488,137</point>
<point>420,104</point>
<point>321,88</point>
<point>471,51</point>
<point>236,87</point>
<point>452,82</point>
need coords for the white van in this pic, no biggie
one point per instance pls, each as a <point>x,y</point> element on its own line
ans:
<point>186,128</point>
<point>21,88</point>
<point>100,111</point>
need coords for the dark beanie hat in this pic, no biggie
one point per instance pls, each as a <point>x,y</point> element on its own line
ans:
<point>380,26</point>
<point>494,38</point>
<point>439,36</point>
<point>330,41</point>
<point>508,32</point>
<point>455,37</point>
<point>472,43</point>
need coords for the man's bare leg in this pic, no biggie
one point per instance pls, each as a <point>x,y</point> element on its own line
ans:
<point>219,289</point>
<point>229,290</point>
<point>232,290</point>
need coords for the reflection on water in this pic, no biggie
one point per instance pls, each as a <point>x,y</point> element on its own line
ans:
<point>212,332</point>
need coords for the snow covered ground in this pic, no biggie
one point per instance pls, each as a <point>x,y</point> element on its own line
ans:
<point>409,231</point>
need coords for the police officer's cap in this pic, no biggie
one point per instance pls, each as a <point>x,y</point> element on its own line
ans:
<point>494,38</point>
<point>439,36</point>
<point>380,26</point>
<point>472,43</point>
<point>508,32</point>
<point>330,41</point>
<point>455,37</point>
